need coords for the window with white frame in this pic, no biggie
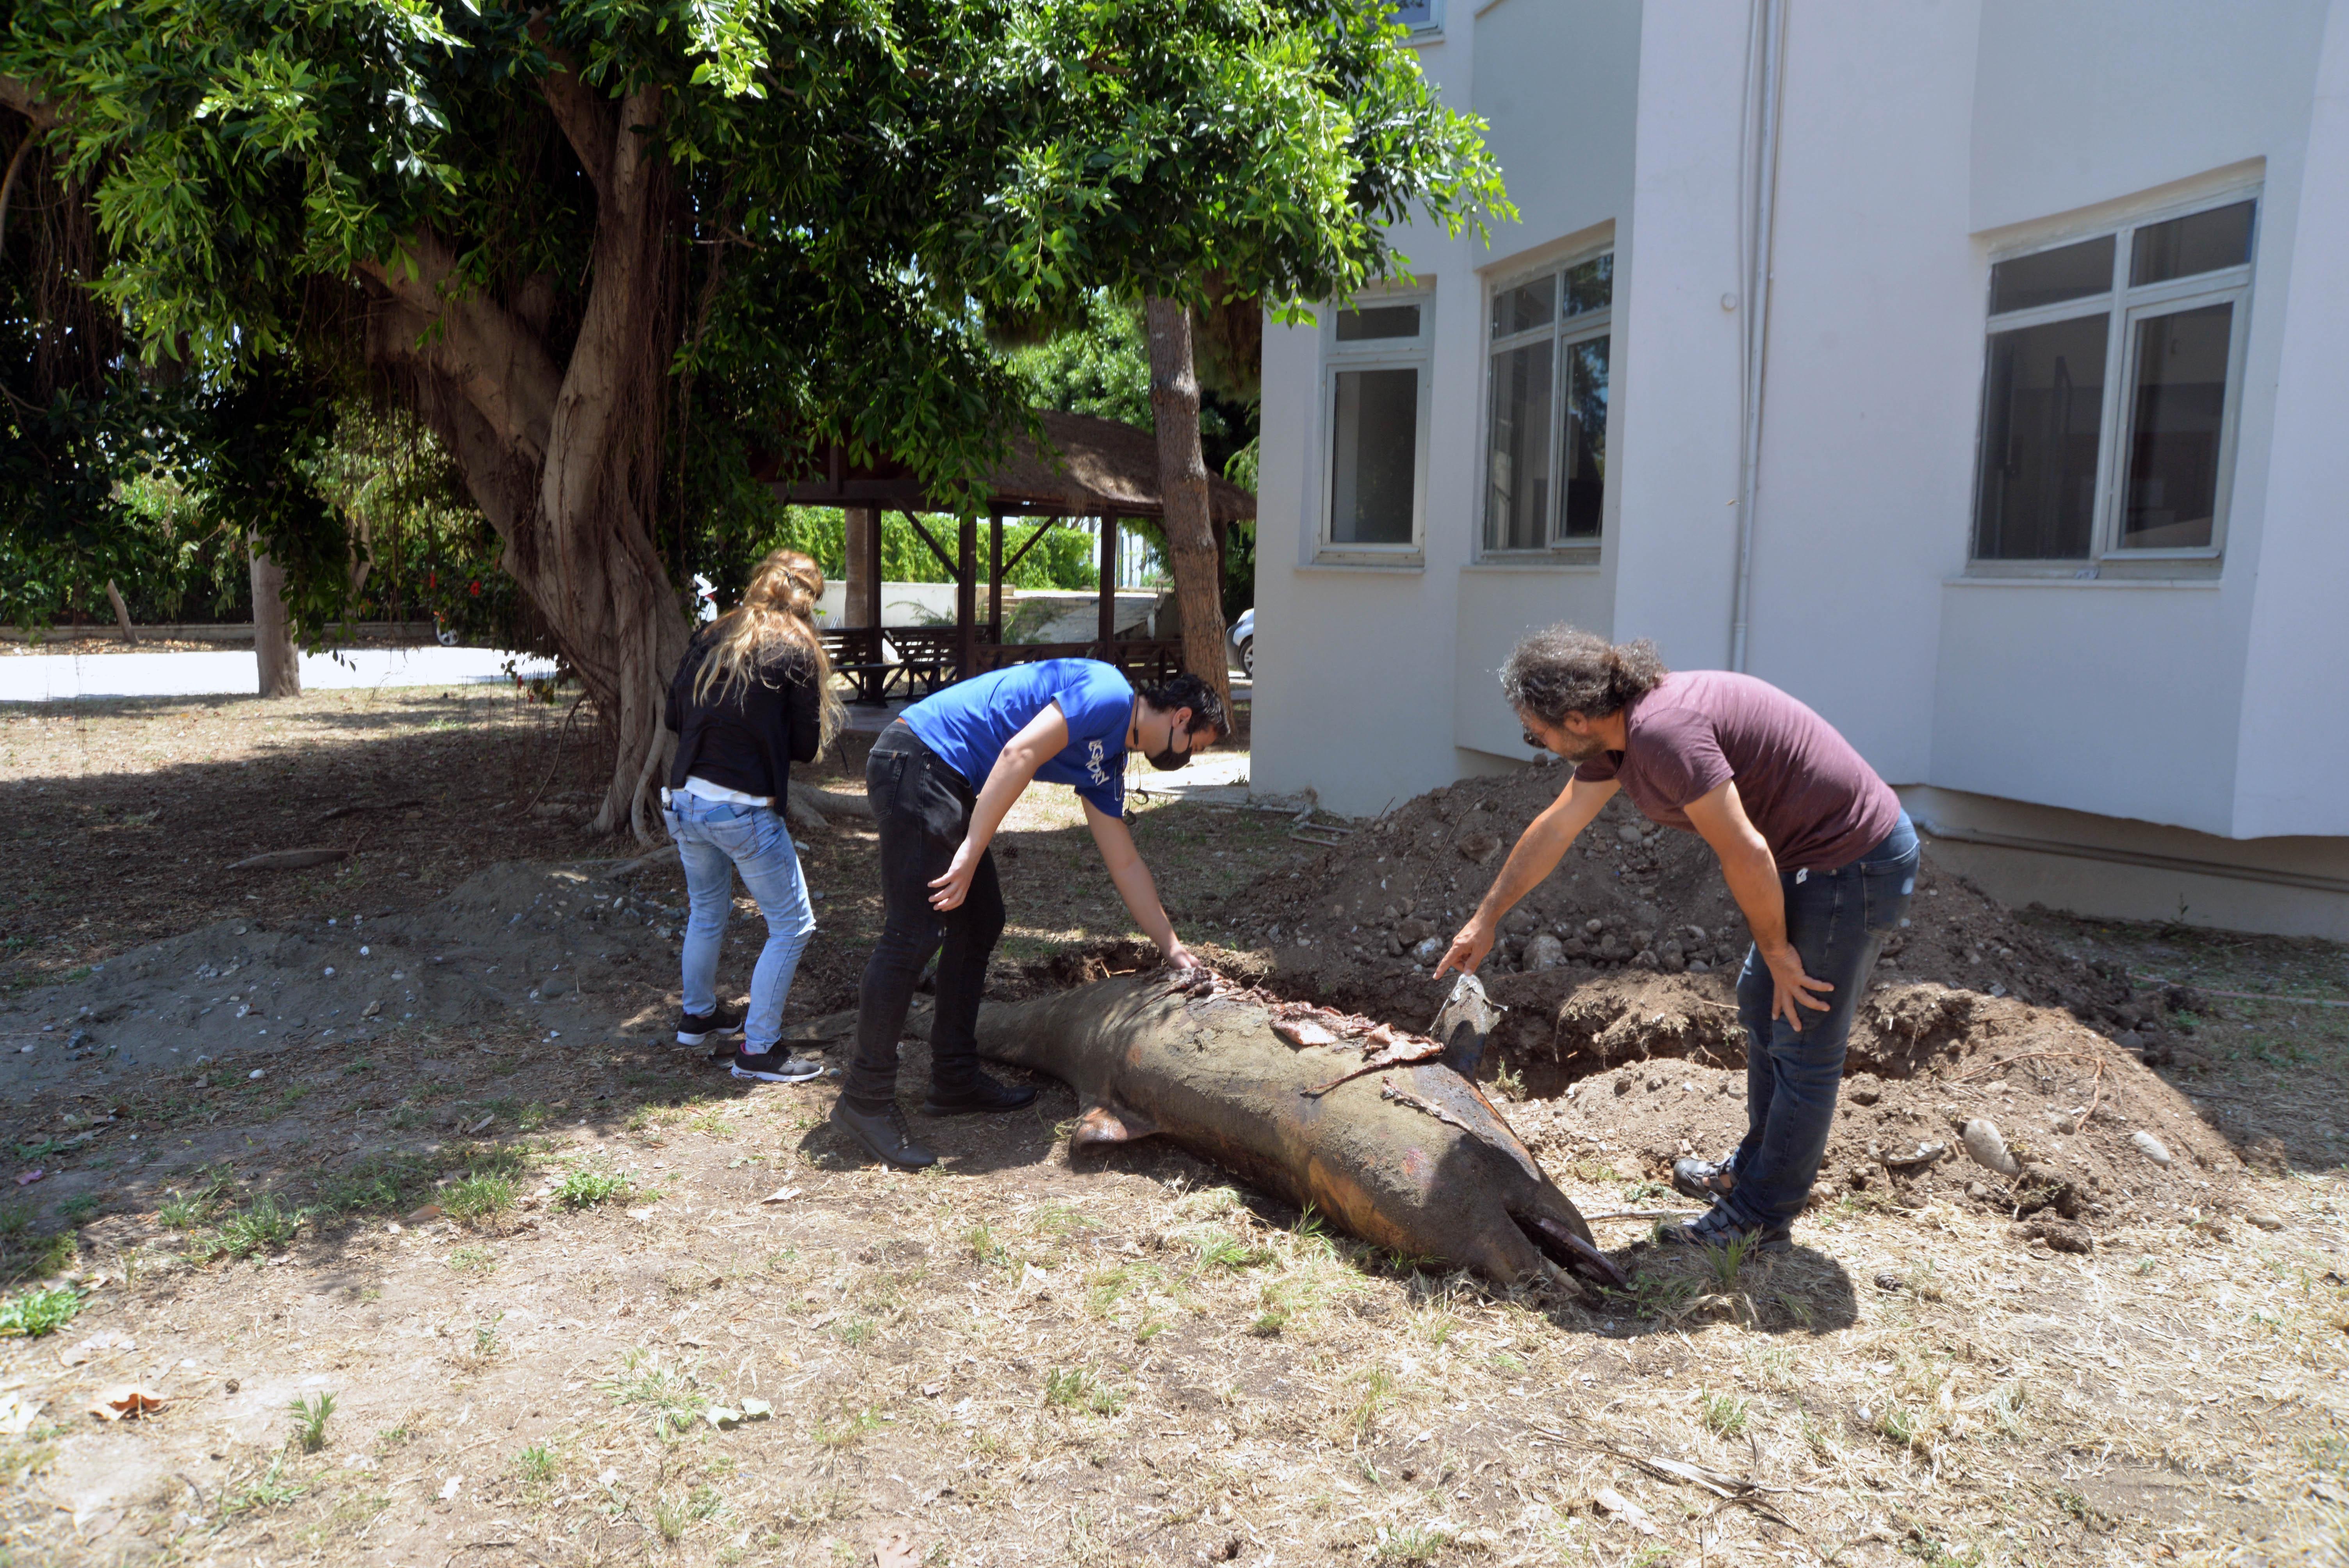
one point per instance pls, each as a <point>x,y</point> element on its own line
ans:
<point>1375,404</point>
<point>1422,16</point>
<point>2109,393</point>
<point>1545,425</point>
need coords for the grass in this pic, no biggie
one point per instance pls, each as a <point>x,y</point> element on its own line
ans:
<point>1082,1388</point>
<point>30,1314</point>
<point>849,1430</point>
<point>536,1465</point>
<point>264,1491</point>
<point>1414,1543</point>
<point>478,1196</point>
<point>1724,1415</point>
<point>188,1210</point>
<point>264,1226</point>
<point>669,1399</point>
<point>474,1260</point>
<point>584,1189</point>
<point>310,1421</point>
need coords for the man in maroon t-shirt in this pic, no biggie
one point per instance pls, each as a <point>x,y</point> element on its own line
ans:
<point>1815,850</point>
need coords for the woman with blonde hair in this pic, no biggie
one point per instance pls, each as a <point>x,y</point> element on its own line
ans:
<point>752,695</point>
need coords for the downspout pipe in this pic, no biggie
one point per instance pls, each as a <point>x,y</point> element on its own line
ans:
<point>1765,90</point>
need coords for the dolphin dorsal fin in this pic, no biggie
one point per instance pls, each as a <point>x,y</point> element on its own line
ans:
<point>1106,1123</point>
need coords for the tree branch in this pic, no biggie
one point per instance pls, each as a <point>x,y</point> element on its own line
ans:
<point>502,368</point>
<point>29,101</point>
<point>584,117</point>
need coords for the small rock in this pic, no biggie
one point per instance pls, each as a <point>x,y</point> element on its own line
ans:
<point>2265,1220</point>
<point>1628,834</point>
<point>1414,931</point>
<point>1545,951</point>
<point>2130,1040</point>
<point>1479,848</point>
<point>1987,1147</point>
<point>258,1072</point>
<point>1861,1091</point>
<point>1429,950</point>
<point>2152,1148</point>
<point>1888,1282</point>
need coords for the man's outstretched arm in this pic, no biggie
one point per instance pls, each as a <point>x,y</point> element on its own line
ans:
<point>1537,850</point>
<point>1134,885</point>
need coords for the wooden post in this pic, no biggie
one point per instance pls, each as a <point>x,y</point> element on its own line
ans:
<point>856,565</point>
<point>1108,586</point>
<point>994,578</point>
<point>967,600</point>
<point>873,572</point>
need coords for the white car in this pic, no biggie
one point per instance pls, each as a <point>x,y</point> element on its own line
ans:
<point>1244,639</point>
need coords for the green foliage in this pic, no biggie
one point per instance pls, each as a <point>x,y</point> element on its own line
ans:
<point>585,1189</point>
<point>30,1314</point>
<point>261,201</point>
<point>264,1226</point>
<point>310,1421</point>
<point>478,1195</point>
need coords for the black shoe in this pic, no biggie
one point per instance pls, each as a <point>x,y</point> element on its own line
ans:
<point>692,1029</point>
<point>1703,1179</point>
<point>777,1066</point>
<point>981,1093</point>
<point>884,1134</point>
<point>1716,1229</point>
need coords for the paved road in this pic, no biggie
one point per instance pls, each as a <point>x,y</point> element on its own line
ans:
<point>53,677</point>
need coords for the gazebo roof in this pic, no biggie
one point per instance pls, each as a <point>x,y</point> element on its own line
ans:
<point>1090,466</point>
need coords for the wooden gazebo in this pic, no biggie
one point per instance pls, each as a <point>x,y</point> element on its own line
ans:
<point>1087,468</point>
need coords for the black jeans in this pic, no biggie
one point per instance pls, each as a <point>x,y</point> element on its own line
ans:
<point>924,809</point>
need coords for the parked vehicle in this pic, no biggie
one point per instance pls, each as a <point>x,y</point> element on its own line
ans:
<point>1244,640</point>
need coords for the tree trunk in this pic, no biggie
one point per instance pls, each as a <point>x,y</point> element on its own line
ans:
<point>856,544</point>
<point>273,633</point>
<point>564,458</point>
<point>1183,493</point>
<point>121,610</point>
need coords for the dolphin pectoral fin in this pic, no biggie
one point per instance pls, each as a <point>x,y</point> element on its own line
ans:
<point>1105,1123</point>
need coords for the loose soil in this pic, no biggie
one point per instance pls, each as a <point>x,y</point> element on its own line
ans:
<point>532,1247</point>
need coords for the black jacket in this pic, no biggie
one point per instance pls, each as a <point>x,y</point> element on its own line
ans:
<point>749,743</point>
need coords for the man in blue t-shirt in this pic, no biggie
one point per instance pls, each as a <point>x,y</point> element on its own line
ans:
<point>941,780</point>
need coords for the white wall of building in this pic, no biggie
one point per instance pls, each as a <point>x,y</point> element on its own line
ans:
<point>1917,141</point>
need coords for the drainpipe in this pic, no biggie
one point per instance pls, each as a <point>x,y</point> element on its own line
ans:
<point>1766,91</point>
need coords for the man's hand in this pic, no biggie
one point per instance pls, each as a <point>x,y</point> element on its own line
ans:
<point>1468,948</point>
<point>951,889</point>
<point>1790,986</point>
<point>1181,958</point>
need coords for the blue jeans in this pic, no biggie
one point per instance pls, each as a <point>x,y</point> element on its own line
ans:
<point>1837,922</point>
<point>715,839</point>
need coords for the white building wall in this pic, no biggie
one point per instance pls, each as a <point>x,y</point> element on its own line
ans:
<point>1872,370</point>
<point>2293,752</point>
<point>1918,139</point>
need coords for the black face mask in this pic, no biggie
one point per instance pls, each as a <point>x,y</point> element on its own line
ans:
<point>1168,761</point>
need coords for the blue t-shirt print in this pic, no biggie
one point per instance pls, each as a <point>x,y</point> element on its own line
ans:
<point>969,723</point>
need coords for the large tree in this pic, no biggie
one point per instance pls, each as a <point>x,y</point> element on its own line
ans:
<point>612,251</point>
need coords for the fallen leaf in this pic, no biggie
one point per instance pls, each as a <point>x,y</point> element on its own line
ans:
<point>724,1419</point>
<point>116,1404</point>
<point>448,1488</point>
<point>16,1414</point>
<point>28,1177</point>
<point>756,1410</point>
<point>478,1125</point>
<point>1623,1508</point>
<point>426,1215</point>
<point>780,1195</point>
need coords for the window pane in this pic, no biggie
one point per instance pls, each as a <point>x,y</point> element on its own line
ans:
<point>2042,401</point>
<point>2198,243</point>
<point>1377,453</point>
<point>1524,307</point>
<point>2073,272</point>
<point>1592,286</point>
<point>1378,321</point>
<point>1586,437</point>
<point>1416,13</point>
<point>2178,407</point>
<point>1516,466</point>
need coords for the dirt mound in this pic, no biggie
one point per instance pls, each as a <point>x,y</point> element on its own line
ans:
<point>551,941</point>
<point>1618,974</point>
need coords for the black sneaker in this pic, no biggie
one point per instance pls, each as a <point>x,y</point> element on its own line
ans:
<point>692,1029</point>
<point>777,1066</point>
<point>884,1134</point>
<point>1716,1229</point>
<point>981,1093</point>
<point>1703,1179</point>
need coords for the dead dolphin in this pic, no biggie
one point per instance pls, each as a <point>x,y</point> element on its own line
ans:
<point>1409,1157</point>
